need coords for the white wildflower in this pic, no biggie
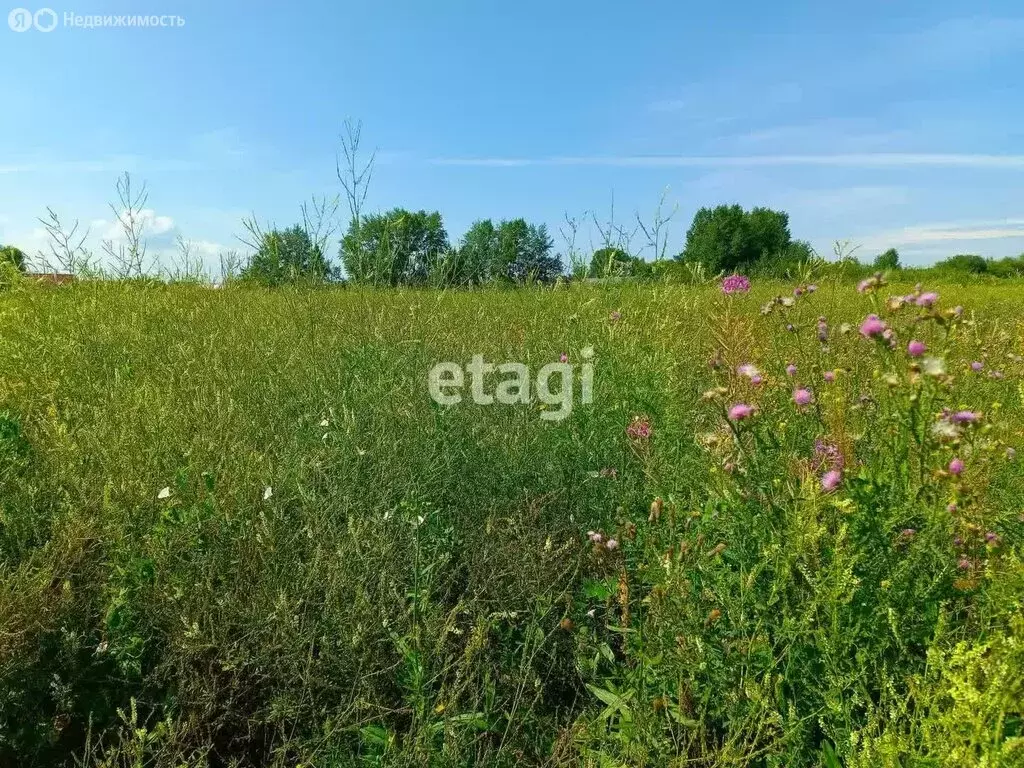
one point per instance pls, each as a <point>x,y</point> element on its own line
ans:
<point>933,366</point>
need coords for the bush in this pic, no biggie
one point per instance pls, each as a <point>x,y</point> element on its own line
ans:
<point>11,255</point>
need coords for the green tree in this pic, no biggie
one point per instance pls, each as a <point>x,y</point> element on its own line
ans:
<point>963,262</point>
<point>609,262</point>
<point>769,232</point>
<point>13,255</point>
<point>478,253</point>
<point>395,248</point>
<point>287,256</point>
<point>888,260</point>
<point>615,262</point>
<point>524,253</point>
<point>726,238</point>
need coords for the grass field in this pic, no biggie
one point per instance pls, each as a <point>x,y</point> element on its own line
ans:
<point>235,530</point>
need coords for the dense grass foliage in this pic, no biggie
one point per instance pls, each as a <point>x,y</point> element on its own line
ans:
<point>236,530</point>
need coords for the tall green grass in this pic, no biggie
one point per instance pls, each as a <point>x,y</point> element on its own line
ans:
<point>235,530</point>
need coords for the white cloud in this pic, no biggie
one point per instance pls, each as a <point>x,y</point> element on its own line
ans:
<point>850,160</point>
<point>152,225</point>
<point>947,232</point>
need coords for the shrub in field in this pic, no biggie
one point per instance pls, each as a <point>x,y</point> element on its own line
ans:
<point>12,255</point>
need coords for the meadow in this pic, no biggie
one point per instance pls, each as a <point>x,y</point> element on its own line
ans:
<point>235,529</point>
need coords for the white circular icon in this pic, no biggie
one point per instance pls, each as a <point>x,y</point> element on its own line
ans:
<point>20,20</point>
<point>45,19</point>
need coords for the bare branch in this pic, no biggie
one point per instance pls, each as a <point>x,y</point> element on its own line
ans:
<point>67,251</point>
<point>354,178</point>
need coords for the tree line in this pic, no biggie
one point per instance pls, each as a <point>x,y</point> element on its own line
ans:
<point>400,247</point>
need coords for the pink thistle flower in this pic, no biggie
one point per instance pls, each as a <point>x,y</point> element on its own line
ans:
<point>872,327</point>
<point>640,429</point>
<point>964,564</point>
<point>803,397</point>
<point>977,366</point>
<point>791,370</point>
<point>827,456</point>
<point>965,417</point>
<point>735,284</point>
<point>830,376</point>
<point>956,467</point>
<point>927,299</point>
<point>563,358</point>
<point>756,380</point>
<point>831,480</point>
<point>747,369</point>
<point>916,348</point>
<point>741,411</point>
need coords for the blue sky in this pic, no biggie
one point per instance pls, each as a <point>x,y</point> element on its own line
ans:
<point>880,123</point>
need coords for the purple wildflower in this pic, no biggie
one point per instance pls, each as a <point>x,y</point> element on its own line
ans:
<point>827,456</point>
<point>927,299</point>
<point>741,411</point>
<point>735,284</point>
<point>791,370</point>
<point>977,366</point>
<point>831,480</point>
<point>872,327</point>
<point>956,467</point>
<point>640,429</point>
<point>747,369</point>
<point>965,417</point>
<point>916,348</point>
<point>830,376</point>
<point>803,397</point>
